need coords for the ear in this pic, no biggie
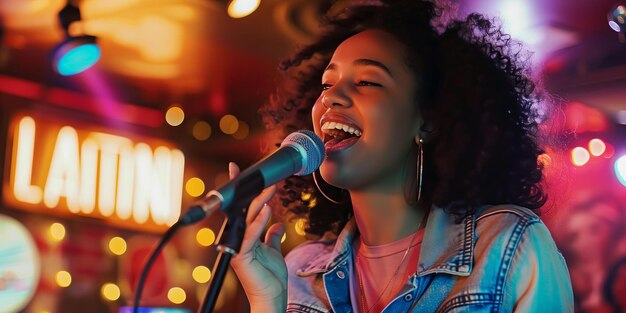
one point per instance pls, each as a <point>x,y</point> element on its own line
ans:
<point>425,132</point>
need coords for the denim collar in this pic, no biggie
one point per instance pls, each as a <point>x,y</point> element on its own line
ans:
<point>447,247</point>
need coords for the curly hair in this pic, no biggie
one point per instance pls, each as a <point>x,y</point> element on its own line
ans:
<point>475,95</point>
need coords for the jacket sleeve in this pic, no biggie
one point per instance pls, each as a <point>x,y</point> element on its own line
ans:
<point>538,280</point>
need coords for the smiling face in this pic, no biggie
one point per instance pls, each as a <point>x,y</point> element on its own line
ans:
<point>367,113</point>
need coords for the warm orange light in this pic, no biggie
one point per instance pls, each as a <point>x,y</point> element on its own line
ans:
<point>201,274</point>
<point>22,188</point>
<point>110,291</point>
<point>580,156</point>
<point>201,130</point>
<point>229,124</point>
<point>242,131</point>
<point>242,8</point>
<point>176,295</point>
<point>104,174</point>
<point>57,231</point>
<point>63,279</point>
<point>205,237</point>
<point>194,186</point>
<point>117,245</point>
<point>174,116</point>
<point>284,238</point>
<point>597,147</point>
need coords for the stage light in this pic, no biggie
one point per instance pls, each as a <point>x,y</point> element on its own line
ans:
<point>620,169</point>
<point>242,8</point>
<point>597,147</point>
<point>580,156</point>
<point>74,54</point>
<point>617,18</point>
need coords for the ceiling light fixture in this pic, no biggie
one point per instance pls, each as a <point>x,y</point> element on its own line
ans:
<point>74,54</point>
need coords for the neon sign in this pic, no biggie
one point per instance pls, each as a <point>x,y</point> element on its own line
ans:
<point>93,173</point>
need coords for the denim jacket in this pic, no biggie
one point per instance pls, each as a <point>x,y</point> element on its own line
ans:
<point>500,259</point>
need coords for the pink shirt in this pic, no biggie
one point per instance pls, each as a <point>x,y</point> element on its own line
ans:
<point>375,268</point>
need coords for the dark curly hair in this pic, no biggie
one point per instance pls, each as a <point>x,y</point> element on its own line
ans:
<point>475,95</point>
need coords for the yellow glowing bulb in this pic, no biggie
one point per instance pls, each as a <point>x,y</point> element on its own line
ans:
<point>299,226</point>
<point>229,124</point>
<point>117,245</point>
<point>194,186</point>
<point>176,295</point>
<point>110,291</point>
<point>284,238</point>
<point>63,279</point>
<point>201,130</point>
<point>57,231</point>
<point>242,8</point>
<point>205,237</point>
<point>201,274</point>
<point>242,132</point>
<point>174,116</point>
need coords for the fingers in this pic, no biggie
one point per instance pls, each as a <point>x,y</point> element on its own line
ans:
<point>233,170</point>
<point>274,236</point>
<point>255,228</point>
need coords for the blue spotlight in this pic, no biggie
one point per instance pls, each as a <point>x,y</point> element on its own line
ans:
<point>75,55</point>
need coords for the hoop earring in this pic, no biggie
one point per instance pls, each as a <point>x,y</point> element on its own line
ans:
<point>420,168</point>
<point>322,191</point>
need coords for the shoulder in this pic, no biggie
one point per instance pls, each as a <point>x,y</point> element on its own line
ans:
<point>528,265</point>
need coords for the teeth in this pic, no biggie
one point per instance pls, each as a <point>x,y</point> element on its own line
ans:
<point>340,126</point>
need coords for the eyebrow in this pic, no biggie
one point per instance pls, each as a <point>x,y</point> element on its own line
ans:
<point>363,62</point>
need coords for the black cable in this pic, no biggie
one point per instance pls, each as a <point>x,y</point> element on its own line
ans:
<point>144,274</point>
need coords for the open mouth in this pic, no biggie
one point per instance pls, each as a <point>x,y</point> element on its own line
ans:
<point>339,135</point>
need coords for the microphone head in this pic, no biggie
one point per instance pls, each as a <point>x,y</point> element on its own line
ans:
<point>310,147</point>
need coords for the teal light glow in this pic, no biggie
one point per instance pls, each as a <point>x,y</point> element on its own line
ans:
<point>78,59</point>
<point>620,169</point>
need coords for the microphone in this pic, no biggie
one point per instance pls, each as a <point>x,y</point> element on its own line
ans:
<point>300,153</point>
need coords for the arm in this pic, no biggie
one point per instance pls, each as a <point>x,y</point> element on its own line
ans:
<point>538,280</point>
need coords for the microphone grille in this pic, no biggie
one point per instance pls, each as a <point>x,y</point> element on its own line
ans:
<point>311,149</point>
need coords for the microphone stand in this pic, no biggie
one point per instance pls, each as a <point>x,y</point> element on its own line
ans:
<point>231,237</point>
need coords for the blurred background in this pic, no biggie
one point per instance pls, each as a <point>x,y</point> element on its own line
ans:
<point>117,115</point>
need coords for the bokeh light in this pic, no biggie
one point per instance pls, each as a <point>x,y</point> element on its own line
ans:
<point>117,245</point>
<point>176,295</point>
<point>201,274</point>
<point>110,292</point>
<point>580,156</point>
<point>242,132</point>
<point>63,279</point>
<point>194,187</point>
<point>201,130</point>
<point>620,169</point>
<point>174,116</point>
<point>242,8</point>
<point>229,124</point>
<point>205,237</point>
<point>597,147</point>
<point>57,232</point>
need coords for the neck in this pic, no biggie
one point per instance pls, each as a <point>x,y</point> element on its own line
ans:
<point>384,216</point>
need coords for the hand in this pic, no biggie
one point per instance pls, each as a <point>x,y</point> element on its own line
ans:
<point>260,266</point>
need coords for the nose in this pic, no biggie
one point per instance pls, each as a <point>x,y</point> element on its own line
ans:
<point>336,96</point>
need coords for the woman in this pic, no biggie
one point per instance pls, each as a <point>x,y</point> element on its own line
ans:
<point>427,192</point>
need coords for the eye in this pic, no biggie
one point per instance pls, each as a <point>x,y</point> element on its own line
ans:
<point>368,83</point>
<point>326,86</point>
